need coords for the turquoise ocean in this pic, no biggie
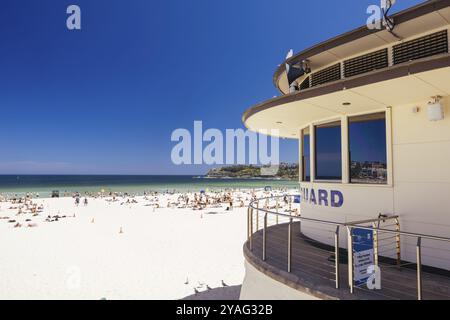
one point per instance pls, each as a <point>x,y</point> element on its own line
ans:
<point>44,184</point>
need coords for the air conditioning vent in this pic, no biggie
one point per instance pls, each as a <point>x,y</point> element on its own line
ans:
<point>423,47</point>
<point>329,74</point>
<point>366,63</point>
<point>305,84</point>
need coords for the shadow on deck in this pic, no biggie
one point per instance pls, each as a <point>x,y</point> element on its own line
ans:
<point>313,270</point>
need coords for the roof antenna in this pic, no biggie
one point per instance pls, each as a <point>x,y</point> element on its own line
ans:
<point>289,55</point>
<point>388,21</point>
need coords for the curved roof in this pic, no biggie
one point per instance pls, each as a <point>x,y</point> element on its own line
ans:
<point>360,33</point>
<point>397,85</point>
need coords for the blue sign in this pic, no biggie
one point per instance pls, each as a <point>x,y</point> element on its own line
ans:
<point>362,239</point>
<point>297,199</point>
<point>363,254</point>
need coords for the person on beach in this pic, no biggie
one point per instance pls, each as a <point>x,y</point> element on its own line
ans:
<point>85,201</point>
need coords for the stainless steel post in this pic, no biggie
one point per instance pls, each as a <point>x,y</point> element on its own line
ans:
<point>257,216</point>
<point>251,229</point>
<point>375,243</point>
<point>248,223</point>
<point>350,258</point>
<point>419,268</point>
<point>276,210</point>
<point>397,242</point>
<point>290,205</point>
<point>336,256</point>
<point>290,245</point>
<point>264,237</point>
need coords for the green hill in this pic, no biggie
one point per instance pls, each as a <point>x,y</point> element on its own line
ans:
<point>285,171</point>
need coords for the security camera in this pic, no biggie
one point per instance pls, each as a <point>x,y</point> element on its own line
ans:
<point>306,67</point>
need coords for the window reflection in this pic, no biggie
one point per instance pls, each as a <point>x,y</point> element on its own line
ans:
<point>367,147</point>
<point>328,151</point>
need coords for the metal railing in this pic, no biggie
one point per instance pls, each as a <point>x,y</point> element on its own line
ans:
<point>378,226</point>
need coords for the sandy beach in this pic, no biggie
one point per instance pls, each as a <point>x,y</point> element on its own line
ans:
<point>118,250</point>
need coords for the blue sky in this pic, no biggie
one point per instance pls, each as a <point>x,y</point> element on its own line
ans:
<point>107,98</point>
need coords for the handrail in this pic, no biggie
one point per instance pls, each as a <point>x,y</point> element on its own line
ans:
<point>349,226</point>
<point>383,218</point>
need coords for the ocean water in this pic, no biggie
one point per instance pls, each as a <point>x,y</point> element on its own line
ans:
<point>45,184</point>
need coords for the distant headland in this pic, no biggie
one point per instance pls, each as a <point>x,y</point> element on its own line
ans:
<point>285,171</point>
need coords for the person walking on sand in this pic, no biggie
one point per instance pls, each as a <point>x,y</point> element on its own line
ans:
<point>85,201</point>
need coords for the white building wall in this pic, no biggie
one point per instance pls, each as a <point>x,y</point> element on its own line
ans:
<point>258,286</point>
<point>421,160</point>
<point>420,190</point>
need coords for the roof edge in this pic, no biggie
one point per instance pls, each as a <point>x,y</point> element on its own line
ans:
<point>398,71</point>
<point>358,33</point>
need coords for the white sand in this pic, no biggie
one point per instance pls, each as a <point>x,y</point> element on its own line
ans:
<point>152,259</point>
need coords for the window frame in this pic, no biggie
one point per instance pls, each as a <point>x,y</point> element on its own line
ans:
<point>349,151</point>
<point>302,154</point>
<point>345,149</point>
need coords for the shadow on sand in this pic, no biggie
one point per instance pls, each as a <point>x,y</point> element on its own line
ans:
<point>221,293</point>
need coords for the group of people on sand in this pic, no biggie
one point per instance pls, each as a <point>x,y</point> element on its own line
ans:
<point>226,200</point>
<point>28,211</point>
<point>16,199</point>
<point>24,206</point>
<point>57,217</point>
<point>284,202</point>
<point>77,201</point>
<point>203,200</point>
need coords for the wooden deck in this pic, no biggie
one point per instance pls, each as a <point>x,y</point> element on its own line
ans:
<point>313,270</point>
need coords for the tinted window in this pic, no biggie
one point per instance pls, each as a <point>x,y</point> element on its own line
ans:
<point>367,147</point>
<point>328,151</point>
<point>306,157</point>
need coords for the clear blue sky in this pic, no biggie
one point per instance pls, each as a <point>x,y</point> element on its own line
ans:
<point>107,98</point>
